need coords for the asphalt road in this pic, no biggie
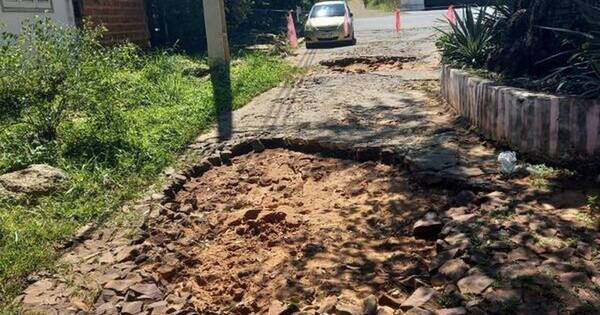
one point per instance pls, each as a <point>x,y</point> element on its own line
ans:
<point>409,20</point>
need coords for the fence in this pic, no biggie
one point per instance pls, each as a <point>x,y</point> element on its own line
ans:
<point>181,24</point>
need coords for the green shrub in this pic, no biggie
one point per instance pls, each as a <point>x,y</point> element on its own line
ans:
<point>581,74</point>
<point>469,40</point>
<point>51,76</point>
<point>387,5</point>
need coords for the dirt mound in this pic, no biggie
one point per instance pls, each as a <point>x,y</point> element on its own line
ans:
<point>290,227</point>
<point>367,64</point>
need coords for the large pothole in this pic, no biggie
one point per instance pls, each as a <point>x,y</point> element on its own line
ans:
<point>290,227</point>
<point>368,64</point>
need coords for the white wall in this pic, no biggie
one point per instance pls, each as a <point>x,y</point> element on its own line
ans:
<point>62,13</point>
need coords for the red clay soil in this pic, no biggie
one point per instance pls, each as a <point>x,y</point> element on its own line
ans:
<point>295,228</point>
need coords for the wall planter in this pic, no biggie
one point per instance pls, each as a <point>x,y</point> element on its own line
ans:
<point>549,127</point>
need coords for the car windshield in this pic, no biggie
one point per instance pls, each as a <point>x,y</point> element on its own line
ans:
<point>328,10</point>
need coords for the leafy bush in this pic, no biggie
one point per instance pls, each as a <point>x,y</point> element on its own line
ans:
<point>581,75</point>
<point>51,76</point>
<point>515,41</point>
<point>469,40</point>
<point>519,44</point>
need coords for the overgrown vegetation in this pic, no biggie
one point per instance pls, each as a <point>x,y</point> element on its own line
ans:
<point>385,5</point>
<point>527,46</point>
<point>581,75</point>
<point>111,117</point>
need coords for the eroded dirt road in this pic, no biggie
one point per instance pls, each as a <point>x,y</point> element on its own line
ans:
<point>414,219</point>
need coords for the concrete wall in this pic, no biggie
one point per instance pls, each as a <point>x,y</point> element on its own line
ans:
<point>124,19</point>
<point>546,126</point>
<point>61,12</point>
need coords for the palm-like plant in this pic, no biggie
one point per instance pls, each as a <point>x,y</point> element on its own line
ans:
<point>468,42</point>
<point>582,73</point>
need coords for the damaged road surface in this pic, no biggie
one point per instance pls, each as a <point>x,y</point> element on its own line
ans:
<point>352,190</point>
<point>280,226</point>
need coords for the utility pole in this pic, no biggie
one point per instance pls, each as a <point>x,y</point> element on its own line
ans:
<point>218,61</point>
<point>216,32</point>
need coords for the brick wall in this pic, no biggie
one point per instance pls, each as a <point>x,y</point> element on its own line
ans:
<point>124,19</point>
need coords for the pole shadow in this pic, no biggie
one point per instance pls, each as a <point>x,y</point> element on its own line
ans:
<point>220,77</point>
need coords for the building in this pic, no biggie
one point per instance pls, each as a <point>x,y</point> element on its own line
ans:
<point>124,19</point>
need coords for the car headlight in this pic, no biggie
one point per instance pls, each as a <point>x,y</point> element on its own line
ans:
<point>310,28</point>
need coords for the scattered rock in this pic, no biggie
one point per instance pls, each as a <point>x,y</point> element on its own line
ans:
<point>456,211</point>
<point>126,253</point>
<point>423,296</point>
<point>463,198</point>
<point>278,308</point>
<point>328,305</point>
<point>461,172</point>
<point>474,284</point>
<point>454,269</point>
<point>132,308</point>
<point>36,180</point>
<point>40,287</point>
<point>106,309</point>
<point>452,311</point>
<point>519,269</point>
<point>428,227</point>
<point>418,311</point>
<point>458,241</point>
<point>522,254</point>
<point>464,217</point>
<point>571,279</point>
<point>119,285</point>
<point>147,291</point>
<point>385,310</point>
<point>388,300</point>
<point>370,305</point>
<point>441,258</point>
<point>347,309</point>
<point>502,296</point>
<point>167,272</point>
<point>434,160</point>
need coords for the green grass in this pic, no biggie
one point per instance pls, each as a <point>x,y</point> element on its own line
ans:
<point>163,109</point>
<point>383,5</point>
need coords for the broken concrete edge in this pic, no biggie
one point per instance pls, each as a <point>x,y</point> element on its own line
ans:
<point>220,154</point>
<point>216,158</point>
<point>560,130</point>
<point>346,61</point>
<point>386,155</point>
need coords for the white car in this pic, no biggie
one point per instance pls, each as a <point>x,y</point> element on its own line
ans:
<point>326,22</point>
